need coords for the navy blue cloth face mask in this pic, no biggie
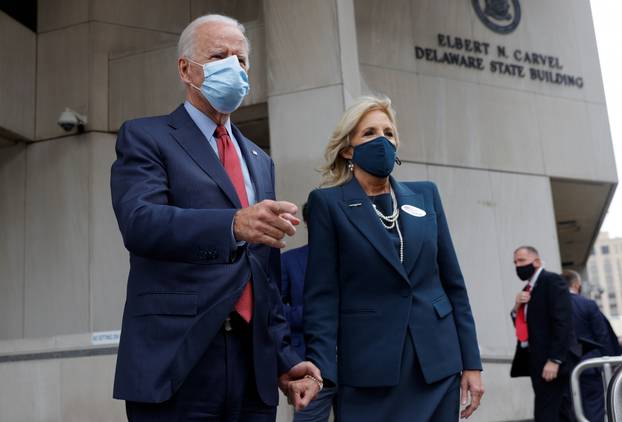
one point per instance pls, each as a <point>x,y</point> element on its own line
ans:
<point>376,157</point>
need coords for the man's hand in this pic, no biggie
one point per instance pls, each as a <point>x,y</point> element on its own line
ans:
<point>521,298</point>
<point>266,222</point>
<point>298,372</point>
<point>549,373</point>
<point>470,384</point>
<point>301,392</point>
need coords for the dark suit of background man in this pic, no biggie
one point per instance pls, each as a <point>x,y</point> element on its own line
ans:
<point>293,270</point>
<point>203,335</point>
<point>546,348</point>
<point>591,324</point>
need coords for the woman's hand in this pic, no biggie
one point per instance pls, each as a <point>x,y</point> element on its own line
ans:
<point>301,392</point>
<point>470,384</point>
<point>298,372</point>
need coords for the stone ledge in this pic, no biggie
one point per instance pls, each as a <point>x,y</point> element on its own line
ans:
<point>55,347</point>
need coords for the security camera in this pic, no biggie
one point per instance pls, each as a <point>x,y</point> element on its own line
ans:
<point>69,119</point>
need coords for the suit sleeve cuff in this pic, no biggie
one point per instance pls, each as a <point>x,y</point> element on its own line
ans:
<point>287,359</point>
<point>234,241</point>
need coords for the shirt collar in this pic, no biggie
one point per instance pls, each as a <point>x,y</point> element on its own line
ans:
<point>206,125</point>
<point>534,278</point>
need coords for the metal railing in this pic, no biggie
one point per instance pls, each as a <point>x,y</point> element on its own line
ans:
<point>612,382</point>
<point>614,396</point>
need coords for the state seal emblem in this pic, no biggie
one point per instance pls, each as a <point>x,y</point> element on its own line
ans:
<point>500,16</point>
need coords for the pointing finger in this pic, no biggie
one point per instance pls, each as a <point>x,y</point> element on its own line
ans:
<point>280,207</point>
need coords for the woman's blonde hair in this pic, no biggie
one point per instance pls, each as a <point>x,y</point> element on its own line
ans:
<point>335,171</point>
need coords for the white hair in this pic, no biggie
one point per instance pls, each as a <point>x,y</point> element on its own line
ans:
<point>186,44</point>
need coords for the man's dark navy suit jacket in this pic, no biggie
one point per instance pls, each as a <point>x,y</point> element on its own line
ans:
<point>293,270</point>
<point>550,327</point>
<point>591,324</point>
<point>175,206</point>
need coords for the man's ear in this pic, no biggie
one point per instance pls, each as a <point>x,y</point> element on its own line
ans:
<point>538,262</point>
<point>183,67</point>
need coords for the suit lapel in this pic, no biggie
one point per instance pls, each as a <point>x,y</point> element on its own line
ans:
<point>190,138</point>
<point>414,229</point>
<point>538,283</point>
<point>358,208</point>
<point>252,158</point>
<point>535,296</point>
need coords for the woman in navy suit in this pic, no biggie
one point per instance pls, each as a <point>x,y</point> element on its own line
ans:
<point>387,317</point>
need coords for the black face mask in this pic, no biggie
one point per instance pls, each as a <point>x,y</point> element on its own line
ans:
<point>525,272</point>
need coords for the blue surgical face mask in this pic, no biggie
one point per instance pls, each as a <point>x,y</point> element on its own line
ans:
<point>225,84</point>
<point>376,157</point>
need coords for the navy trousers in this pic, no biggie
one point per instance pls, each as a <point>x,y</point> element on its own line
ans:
<point>593,395</point>
<point>319,409</point>
<point>220,388</point>
<point>553,402</point>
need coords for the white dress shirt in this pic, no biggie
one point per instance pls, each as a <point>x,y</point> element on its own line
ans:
<point>532,285</point>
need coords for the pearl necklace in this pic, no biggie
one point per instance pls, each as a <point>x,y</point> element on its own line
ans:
<point>390,221</point>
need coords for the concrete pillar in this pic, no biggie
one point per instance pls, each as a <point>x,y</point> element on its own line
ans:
<point>74,44</point>
<point>12,205</point>
<point>17,79</point>
<point>312,63</point>
<point>57,255</point>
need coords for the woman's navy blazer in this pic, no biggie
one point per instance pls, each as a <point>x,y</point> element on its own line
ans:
<point>360,300</point>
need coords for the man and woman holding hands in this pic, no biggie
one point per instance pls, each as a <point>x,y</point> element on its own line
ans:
<point>387,319</point>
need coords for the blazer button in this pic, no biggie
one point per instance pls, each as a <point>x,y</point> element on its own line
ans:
<point>212,254</point>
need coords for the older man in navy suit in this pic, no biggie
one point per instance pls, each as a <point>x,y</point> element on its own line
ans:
<point>203,335</point>
<point>590,324</point>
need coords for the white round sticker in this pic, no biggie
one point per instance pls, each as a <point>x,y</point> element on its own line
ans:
<point>417,212</point>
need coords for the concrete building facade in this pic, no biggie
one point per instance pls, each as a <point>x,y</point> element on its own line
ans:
<point>503,109</point>
<point>604,274</point>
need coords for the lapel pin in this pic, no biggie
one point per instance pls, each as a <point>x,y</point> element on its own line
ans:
<point>414,211</point>
<point>254,152</point>
<point>356,204</point>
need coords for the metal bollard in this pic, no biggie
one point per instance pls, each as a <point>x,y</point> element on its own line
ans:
<point>605,362</point>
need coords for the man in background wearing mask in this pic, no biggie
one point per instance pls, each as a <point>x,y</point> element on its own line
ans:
<point>203,335</point>
<point>546,348</point>
<point>590,324</point>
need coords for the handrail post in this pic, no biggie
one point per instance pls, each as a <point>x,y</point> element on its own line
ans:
<point>576,392</point>
<point>605,362</point>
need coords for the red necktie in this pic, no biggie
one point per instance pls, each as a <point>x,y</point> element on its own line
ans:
<point>231,162</point>
<point>521,320</point>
